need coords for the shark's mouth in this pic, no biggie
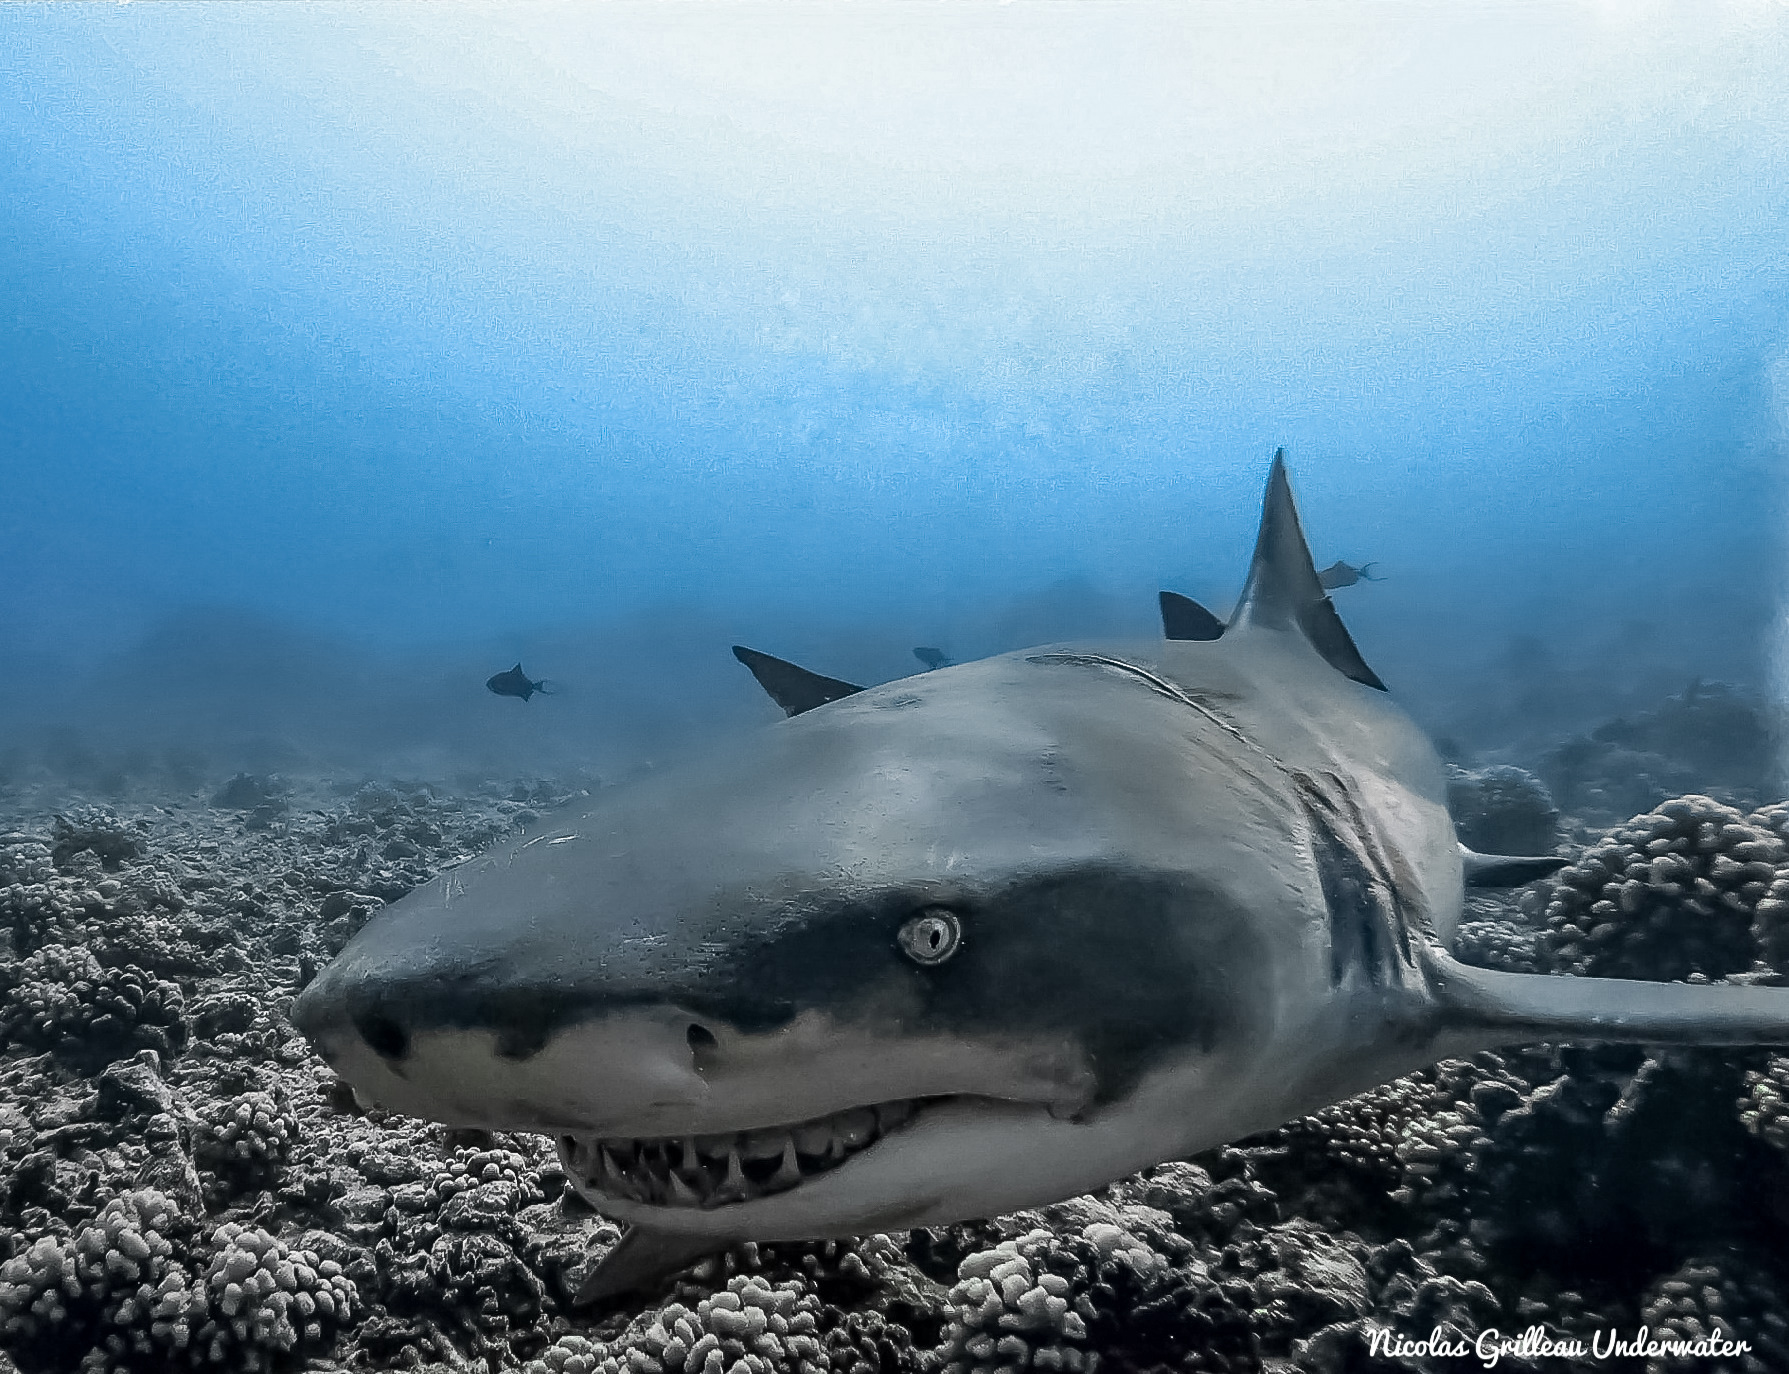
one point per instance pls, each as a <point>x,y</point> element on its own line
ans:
<point>705,1171</point>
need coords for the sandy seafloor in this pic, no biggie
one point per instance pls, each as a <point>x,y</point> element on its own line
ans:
<point>184,1185</point>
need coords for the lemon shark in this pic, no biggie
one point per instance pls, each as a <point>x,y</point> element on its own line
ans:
<point>971,941</point>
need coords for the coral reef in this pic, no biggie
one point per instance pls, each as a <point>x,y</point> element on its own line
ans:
<point>245,1141</point>
<point>1718,1295</point>
<point>1502,810</point>
<point>184,1186</point>
<point>263,1303</point>
<point>63,1000</point>
<point>1671,894</point>
<point>1711,738</point>
<point>264,798</point>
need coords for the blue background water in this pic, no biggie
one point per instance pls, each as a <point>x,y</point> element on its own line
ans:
<point>348,354</point>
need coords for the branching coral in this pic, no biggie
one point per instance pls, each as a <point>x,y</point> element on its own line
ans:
<point>1730,1295</point>
<point>65,1001</point>
<point>1502,810</point>
<point>265,1303</point>
<point>1671,894</point>
<point>245,1141</point>
<point>107,1290</point>
<point>750,1327</point>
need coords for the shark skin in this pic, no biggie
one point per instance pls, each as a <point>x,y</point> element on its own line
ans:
<point>969,942</point>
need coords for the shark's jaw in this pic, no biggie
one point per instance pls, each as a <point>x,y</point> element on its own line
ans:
<point>928,1161</point>
<point>728,1170</point>
<point>894,1166</point>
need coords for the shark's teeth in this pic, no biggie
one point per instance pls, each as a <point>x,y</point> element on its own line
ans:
<point>763,1144</point>
<point>788,1173</point>
<point>606,1165</point>
<point>857,1128</point>
<point>733,1188</point>
<point>718,1170</point>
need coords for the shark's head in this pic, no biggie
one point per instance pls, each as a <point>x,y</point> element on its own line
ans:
<point>875,966</point>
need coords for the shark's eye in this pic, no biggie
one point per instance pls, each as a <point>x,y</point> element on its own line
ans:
<point>932,936</point>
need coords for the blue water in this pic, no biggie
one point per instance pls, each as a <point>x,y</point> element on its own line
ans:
<point>349,353</point>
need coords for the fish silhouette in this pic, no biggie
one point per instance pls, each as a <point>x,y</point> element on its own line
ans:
<point>1340,574</point>
<point>516,683</point>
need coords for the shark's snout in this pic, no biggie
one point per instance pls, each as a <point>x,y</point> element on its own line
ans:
<point>335,1010</point>
<point>453,1042</point>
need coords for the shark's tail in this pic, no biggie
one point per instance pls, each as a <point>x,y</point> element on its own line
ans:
<point>547,687</point>
<point>1483,1009</point>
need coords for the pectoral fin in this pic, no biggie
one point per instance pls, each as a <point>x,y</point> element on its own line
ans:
<point>639,1259</point>
<point>1484,1009</point>
<point>1506,870</point>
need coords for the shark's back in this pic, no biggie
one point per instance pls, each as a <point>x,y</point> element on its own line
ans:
<point>1252,740</point>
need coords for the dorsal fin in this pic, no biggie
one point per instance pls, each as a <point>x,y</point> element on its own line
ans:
<point>794,689</point>
<point>1324,628</point>
<point>1184,618</point>
<point>1282,579</point>
<point>1283,592</point>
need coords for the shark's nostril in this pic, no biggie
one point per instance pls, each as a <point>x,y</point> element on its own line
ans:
<point>387,1038</point>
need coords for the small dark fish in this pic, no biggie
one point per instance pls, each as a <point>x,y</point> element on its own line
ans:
<point>516,683</point>
<point>1340,574</point>
<point>932,658</point>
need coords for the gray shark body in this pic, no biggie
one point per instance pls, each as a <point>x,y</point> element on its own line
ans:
<point>969,942</point>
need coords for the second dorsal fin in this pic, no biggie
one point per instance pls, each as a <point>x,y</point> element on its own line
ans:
<point>793,688</point>
<point>1184,618</point>
<point>1283,592</point>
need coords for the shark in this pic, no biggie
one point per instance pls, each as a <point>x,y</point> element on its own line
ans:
<point>971,941</point>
